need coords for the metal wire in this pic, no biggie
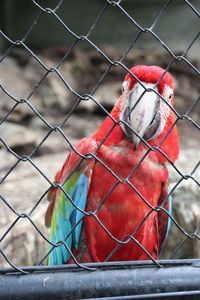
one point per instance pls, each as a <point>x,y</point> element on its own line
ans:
<point>22,159</point>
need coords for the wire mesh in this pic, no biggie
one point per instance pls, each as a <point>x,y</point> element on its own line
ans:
<point>28,217</point>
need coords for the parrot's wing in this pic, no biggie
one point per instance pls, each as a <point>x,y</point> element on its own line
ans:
<point>164,222</point>
<point>62,214</point>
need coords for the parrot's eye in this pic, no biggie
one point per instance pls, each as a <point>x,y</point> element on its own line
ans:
<point>170,96</point>
<point>122,89</point>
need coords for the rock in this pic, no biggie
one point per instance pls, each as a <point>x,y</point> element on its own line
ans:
<point>33,71</point>
<point>106,94</point>
<point>75,128</point>
<point>186,207</point>
<point>18,137</point>
<point>22,189</point>
<point>53,92</point>
<point>16,84</point>
<point>7,160</point>
<point>21,56</point>
<point>186,94</point>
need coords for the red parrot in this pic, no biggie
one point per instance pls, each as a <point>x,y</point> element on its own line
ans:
<point>112,180</point>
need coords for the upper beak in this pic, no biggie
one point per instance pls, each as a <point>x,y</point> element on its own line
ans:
<point>142,114</point>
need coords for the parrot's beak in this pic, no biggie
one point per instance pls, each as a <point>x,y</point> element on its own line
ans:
<point>142,113</point>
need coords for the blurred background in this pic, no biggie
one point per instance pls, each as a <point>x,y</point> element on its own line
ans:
<point>34,40</point>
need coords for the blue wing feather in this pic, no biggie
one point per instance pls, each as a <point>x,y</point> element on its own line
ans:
<point>168,224</point>
<point>65,217</point>
<point>169,219</point>
<point>79,198</point>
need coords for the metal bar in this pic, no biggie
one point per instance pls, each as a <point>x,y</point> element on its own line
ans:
<point>175,280</point>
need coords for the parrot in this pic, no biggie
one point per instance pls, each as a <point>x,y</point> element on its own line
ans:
<point>109,201</point>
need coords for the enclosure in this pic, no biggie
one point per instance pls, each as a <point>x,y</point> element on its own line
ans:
<point>62,66</point>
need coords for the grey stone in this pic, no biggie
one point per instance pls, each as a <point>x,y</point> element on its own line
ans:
<point>17,135</point>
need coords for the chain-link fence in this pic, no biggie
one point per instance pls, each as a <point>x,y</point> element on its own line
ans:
<point>51,98</point>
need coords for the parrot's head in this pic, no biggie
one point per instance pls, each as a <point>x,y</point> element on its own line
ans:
<point>143,114</point>
<point>140,105</point>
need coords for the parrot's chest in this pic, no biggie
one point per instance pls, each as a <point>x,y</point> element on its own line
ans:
<point>120,163</point>
<point>124,179</point>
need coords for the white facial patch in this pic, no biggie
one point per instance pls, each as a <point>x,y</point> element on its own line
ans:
<point>164,108</point>
<point>125,95</point>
